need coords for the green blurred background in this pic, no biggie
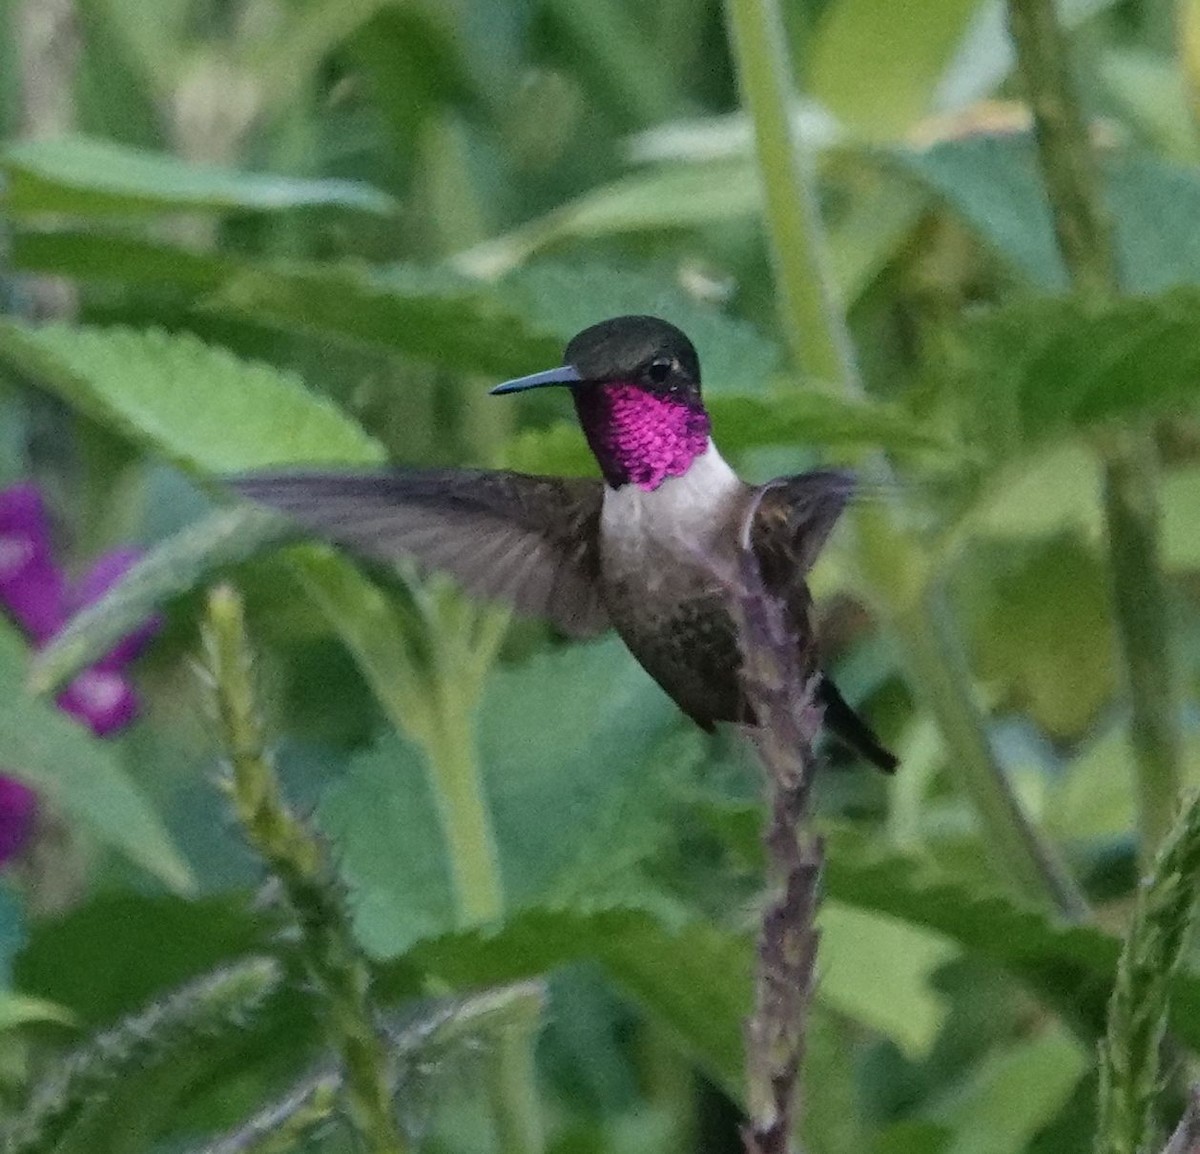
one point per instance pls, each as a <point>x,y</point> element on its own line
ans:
<point>267,211</point>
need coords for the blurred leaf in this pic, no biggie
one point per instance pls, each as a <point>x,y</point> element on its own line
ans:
<point>20,1010</point>
<point>135,946</point>
<point>561,796</point>
<point>1041,368</point>
<point>91,255</point>
<point>1094,798</point>
<point>96,177</point>
<point>736,357</point>
<point>903,58</point>
<point>307,36</point>
<point>1039,619</point>
<point>810,416</point>
<point>512,327</point>
<point>1070,967</point>
<point>76,771</point>
<point>993,184</point>
<point>694,980</point>
<point>429,314</point>
<point>416,62</point>
<point>1013,1094</point>
<point>1181,514</point>
<point>178,565</point>
<point>856,947</point>
<point>197,403</point>
<point>675,197</point>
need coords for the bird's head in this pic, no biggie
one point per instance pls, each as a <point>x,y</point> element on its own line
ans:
<point>636,385</point>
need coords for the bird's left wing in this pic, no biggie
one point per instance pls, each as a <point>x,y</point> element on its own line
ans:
<point>794,518</point>
<point>530,542</point>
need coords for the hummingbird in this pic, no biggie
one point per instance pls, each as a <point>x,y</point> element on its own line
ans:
<point>642,550</point>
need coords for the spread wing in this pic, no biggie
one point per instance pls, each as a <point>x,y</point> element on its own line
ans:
<point>794,518</point>
<point>531,542</point>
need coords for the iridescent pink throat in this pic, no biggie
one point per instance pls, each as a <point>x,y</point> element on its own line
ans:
<point>638,437</point>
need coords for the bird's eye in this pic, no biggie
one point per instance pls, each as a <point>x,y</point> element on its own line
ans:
<point>659,370</point>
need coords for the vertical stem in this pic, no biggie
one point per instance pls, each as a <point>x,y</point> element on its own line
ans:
<point>1131,505</point>
<point>820,343</point>
<point>297,859</point>
<point>893,562</point>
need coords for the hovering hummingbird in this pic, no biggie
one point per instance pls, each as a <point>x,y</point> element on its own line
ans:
<point>641,551</point>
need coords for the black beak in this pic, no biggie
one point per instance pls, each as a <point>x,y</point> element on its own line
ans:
<point>564,375</point>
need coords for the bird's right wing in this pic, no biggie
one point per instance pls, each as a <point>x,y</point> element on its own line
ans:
<point>530,542</point>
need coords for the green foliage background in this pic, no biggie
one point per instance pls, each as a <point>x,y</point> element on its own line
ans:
<point>317,231</point>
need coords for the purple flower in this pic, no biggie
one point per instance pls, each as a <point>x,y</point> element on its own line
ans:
<point>35,594</point>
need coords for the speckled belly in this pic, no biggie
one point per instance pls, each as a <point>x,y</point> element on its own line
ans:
<point>686,643</point>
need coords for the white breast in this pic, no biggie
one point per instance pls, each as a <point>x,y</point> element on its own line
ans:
<point>682,517</point>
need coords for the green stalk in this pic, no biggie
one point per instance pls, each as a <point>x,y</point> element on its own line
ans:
<point>892,562</point>
<point>1130,1078</point>
<point>1131,500</point>
<point>296,857</point>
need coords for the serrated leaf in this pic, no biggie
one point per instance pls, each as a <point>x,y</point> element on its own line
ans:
<point>992,182</point>
<point>135,946</point>
<point>78,773</point>
<point>1071,967</point>
<point>80,175</point>
<point>428,314</point>
<point>694,980</point>
<point>516,326</point>
<point>1041,368</point>
<point>197,403</point>
<point>560,794</point>
<point>174,567</point>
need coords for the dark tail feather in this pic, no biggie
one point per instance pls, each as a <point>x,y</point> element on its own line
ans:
<point>846,725</point>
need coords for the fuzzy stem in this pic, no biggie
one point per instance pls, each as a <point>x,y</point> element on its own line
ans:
<point>892,562</point>
<point>455,1024</point>
<point>1131,500</point>
<point>780,693</point>
<point>296,857</point>
<point>1137,1012</point>
<point>219,1002</point>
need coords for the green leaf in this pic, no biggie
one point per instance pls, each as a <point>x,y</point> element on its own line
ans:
<point>808,416</point>
<point>992,182</point>
<point>856,947</point>
<point>565,798</point>
<point>1070,967</point>
<point>736,357</point>
<point>135,946</point>
<point>904,59</point>
<point>92,255</point>
<point>49,751</point>
<point>19,1010</point>
<point>694,980</point>
<point>197,403</point>
<point>428,314</point>
<point>516,326</point>
<point>1013,1094</point>
<point>82,1081</point>
<point>1042,368</point>
<point>79,175</point>
<point>178,565</point>
<point>667,198</point>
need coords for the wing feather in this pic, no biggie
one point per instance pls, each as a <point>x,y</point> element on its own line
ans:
<point>531,542</point>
